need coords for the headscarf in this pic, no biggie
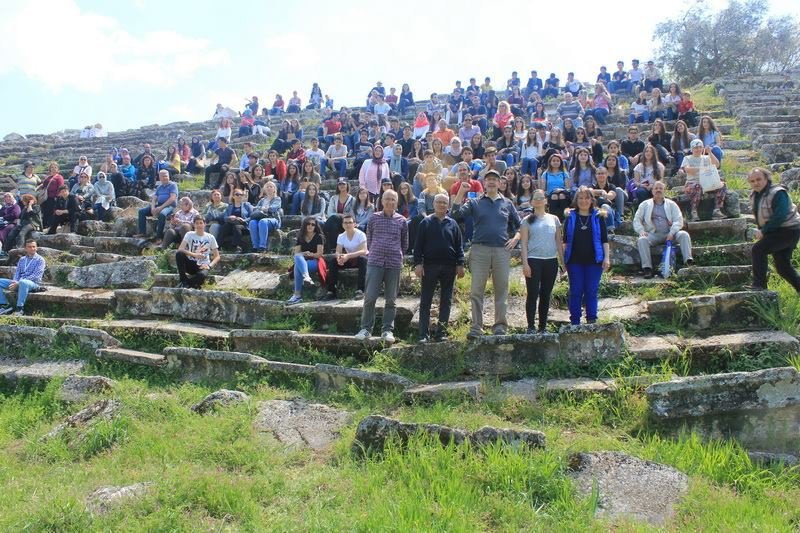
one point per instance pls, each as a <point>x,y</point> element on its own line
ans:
<point>422,120</point>
<point>378,161</point>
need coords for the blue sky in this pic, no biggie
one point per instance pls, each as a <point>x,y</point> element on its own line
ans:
<point>129,63</point>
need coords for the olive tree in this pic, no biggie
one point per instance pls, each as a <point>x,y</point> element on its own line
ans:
<point>737,40</point>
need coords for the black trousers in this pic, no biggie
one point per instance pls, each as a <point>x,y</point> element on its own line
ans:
<point>780,244</point>
<point>188,270</point>
<point>231,234</point>
<point>445,277</point>
<point>61,220</point>
<point>211,169</point>
<point>540,287</point>
<point>333,272</point>
<point>332,228</point>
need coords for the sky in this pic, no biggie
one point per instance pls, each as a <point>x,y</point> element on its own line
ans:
<point>65,64</point>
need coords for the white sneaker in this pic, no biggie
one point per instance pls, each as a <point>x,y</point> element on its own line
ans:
<point>308,282</point>
<point>362,335</point>
<point>388,337</point>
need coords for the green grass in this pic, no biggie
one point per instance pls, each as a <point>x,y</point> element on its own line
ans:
<point>706,98</point>
<point>216,472</point>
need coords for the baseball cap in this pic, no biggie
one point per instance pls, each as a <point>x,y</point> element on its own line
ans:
<point>696,142</point>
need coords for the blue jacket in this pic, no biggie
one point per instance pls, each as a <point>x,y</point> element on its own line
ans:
<point>572,222</point>
<point>247,210</point>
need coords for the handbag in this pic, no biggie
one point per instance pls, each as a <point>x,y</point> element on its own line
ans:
<point>709,178</point>
<point>258,214</point>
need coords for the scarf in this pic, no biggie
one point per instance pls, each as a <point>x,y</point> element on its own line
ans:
<point>421,121</point>
<point>395,164</point>
<point>378,162</point>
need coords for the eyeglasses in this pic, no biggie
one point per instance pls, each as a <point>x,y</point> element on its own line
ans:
<point>238,194</point>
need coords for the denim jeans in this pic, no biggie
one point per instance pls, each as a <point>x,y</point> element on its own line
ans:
<point>297,200</point>
<point>615,86</point>
<point>584,282</point>
<point>162,219</point>
<point>302,267</point>
<point>340,165</point>
<point>718,153</point>
<point>600,115</point>
<point>644,117</point>
<point>260,229</point>
<point>24,286</point>
<point>529,166</point>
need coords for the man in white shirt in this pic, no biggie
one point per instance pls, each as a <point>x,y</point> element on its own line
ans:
<point>635,75</point>
<point>351,252</point>
<point>197,255</point>
<point>657,221</point>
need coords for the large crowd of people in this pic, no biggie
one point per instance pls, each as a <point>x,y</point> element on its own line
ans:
<point>481,169</point>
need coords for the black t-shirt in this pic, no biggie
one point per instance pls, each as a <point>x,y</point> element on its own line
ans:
<point>582,246</point>
<point>408,146</point>
<point>596,133</point>
<point>225,155</point>
<point>310,246</point>
<point>476,110</point>
<point>631,148</point>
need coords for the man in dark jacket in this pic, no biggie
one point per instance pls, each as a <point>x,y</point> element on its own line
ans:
<point>66,211</point>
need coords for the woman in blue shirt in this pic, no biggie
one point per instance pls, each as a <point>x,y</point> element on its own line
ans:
<point>556,183</point>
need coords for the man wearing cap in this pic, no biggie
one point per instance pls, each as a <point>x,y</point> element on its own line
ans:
<point>495,218</point>
<point>438,259</point>
<point>66,210</point>
<point>658,220</point>
<point>652,78</point>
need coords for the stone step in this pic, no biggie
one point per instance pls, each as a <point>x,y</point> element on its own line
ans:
<point>625,254</point>
<point>706,348</point>
<point>780,152</point>
<point>729,228</point>
<point>62,301</point>
<point>724,311</point>
<point>14,371</point>
<point>230,308</point>
<point>131,356</point>
<point>254,340</point>
<point>717,275</point>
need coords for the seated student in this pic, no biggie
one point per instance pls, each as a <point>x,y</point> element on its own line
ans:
<point>658,220</point>
<point>608,197</point>
<point>570,109</point>
<point>490,162</point>
<point>30,220</point>
<point>66,210</point>
<point>572,85</point>
<point>708,133</point>
<point>237,217</point>
<point>164,201</point>
<point>351,252</point>
<point>686,110</point>
<point>27,277</point>
<point>631,147</point>
<point>615,150</point>
<point>534,85</point>
<point>551,86</point>
<point>214,213</point>
<point>312,203</point>
<point>197,254</point>
<point>104,195</point>
<point>619,79</point>
<point>10,212</point>
<point>296,153</point>
<point>224,156</point>
<point>700,160</point>
<point>336,156</point>
<point>556,184</point>
<point>265,217</point>
<point>316,155</point>
<point>307,255</point>
<point>507,147</point>
<point>181,222</point>
<point>84,192</point>
<point>652,77</point>
<point>680,143</point>
<point>640,109</point>
<point>82,167</point>
<point>646,173</point>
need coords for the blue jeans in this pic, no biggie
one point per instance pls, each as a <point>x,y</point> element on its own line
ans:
<point>509,159</point>
<point>260,229</point>
<point>550,91</point>
<point>297,199</point>
<point>599,115</point>
<point>529,166</point>
<point>644,117</point>
<point>615,86</point>
<point>162,219</point>
<point>24,286</point>
<point>584,282</point>
<point>302,267</point>
<point>100,212</point>
<point>717,151</point>
<point>340,165</point>
<point>619,205</point>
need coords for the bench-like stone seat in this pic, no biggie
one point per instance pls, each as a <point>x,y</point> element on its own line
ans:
<point>723,311</point>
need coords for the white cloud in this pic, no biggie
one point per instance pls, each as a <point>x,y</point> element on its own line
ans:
<point>87,51</point>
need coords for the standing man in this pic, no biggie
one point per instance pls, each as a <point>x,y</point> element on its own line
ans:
<point>657,221</point>
<point>387,237</point>
<point>495,218</point>
<point>778,229</point>
<point>27,277</point>
<point>438,258</point>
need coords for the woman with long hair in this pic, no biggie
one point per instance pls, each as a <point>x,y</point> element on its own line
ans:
<point>556,184</point>
<point>648,171</point>
<point>586,254</point>
<point>507,146</point>
<point>237,217</point>
<point>289,186</point>
<point>51,183</point>
<point>660,139</point>
<point>502,117</point>
<point>340,204</point>
<point>265,218</point>
<point>363,209</point>
<point>671,101</point>
<point>583,169</point>
<point>542,254</point>
<point>680,143</point>
<point>476,143</point>
<point>308,253</point>
<point>313,205</point>
<point>708,133</point>
<point>214,213</point>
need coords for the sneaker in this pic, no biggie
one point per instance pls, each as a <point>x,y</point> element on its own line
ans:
<point>422,340</point>
<point>530,331</point>
<point>358,295</point>
<point>440,335</point>
<point>294,300</point>
<point>308,282</point>
<point>474,335</point>
<point>388,337</point>
<point>689,262</point>
<point>6,310</point>
<point>362,335</point>
<point>748,288</point>
<point>694,217</point>
<point>648,273</point>
<point>19,312</point>
<point>499,331</point>
<point>329,296</point>
<point>3,254</point>
<point>717,215</point>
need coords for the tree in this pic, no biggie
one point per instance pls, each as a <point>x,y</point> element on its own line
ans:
<point>735,41</point>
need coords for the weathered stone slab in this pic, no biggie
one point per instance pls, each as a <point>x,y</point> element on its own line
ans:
<point>196,364</point>
<point>253,340</point>
<point>650,348</point>
<point>92,302</point>
<point>104,499</point>
<point>629,487</point>
<point>130,356</point>
<point>13,370</point>
<point>732,228</point>
<point>759,409</point>
<point>14,339</point>
<point>220,398</point>
<point>119,275</point>
<point>117,245</point>
<point>77,388</point>
<point>752,342</point>
<point>300,424</point>
<point>725,275</point>
<point>264,284</point>
<point>432,392</point>
<point>89,338</point>
<point>579,387</point>
<point>87,417</point>
<point>332,377</point>
<point>374,432</point>
<point>589,342</point>
<point>728,310</point>
<point>59,241</point>
<point>509,355</point>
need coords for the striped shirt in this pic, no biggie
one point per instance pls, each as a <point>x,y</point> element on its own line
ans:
<point>384,234</point>
<point>30,268</point>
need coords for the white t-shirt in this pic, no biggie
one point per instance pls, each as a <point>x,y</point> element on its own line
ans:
<point>205,245</point>
<point>351,245</point>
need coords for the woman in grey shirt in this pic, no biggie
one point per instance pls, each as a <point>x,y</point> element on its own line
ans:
<point>540,239</point>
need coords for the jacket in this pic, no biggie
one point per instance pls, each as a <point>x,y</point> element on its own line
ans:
<point>643,220</point>
<point>333,203</point>
<point>571,222</point>
<point>764,206</point>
